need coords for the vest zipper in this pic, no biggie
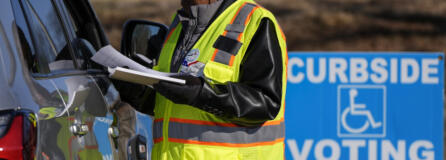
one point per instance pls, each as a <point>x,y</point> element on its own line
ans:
<point>192,26</point>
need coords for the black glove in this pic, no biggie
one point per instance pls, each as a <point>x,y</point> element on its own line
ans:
<point>181,94</point>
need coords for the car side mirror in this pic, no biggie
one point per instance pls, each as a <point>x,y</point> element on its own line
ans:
<point>142,41</point>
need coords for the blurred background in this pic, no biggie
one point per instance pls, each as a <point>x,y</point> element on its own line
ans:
<point>317,25</point>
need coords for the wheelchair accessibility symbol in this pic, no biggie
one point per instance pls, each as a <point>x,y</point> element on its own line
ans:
<point>361,111</point>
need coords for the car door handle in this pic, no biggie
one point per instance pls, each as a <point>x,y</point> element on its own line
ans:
<point>113,131</point>
<point>79,129</point>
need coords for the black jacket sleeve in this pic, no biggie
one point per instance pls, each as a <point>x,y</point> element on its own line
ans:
<point>256,98</point>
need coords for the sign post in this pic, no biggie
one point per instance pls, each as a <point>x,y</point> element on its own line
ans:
<point>365,105</point>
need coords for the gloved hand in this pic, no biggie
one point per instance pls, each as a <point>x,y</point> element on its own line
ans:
<point>181,94</point>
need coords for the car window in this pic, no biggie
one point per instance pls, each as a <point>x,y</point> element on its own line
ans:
<point>51,50</point>
<point>83,24</point>
<point>83,21</point>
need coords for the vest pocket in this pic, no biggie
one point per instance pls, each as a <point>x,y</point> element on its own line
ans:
<point>218,72</point>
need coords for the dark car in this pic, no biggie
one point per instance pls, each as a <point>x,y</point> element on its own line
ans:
<point>55,103</point>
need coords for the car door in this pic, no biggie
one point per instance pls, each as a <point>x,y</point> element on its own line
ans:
<point>132,124</point>
<point>87,37</point>
<point>66,131</point>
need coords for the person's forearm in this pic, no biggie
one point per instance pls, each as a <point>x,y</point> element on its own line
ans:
<point>239,103</point>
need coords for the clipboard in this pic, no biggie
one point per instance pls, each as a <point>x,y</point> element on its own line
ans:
<point>143,78</point>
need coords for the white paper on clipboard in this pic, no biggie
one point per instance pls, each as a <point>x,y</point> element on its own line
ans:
<point>136,73</point>
<point>141,77</point>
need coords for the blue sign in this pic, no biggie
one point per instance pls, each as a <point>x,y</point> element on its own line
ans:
<point>370,105</point>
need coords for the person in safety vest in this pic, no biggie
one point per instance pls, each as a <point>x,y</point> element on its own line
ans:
<point>232,54</point>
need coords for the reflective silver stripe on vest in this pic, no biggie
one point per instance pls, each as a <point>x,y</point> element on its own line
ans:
<point>239,21</point>
<point>234,30</point>
<point>172,28</point>
<point>157,130</point>
<point>174,23</point>
<point>223,57</point>
<point>220,134</point>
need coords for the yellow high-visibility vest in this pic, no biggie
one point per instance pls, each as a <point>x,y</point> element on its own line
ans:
<point>186,132</point>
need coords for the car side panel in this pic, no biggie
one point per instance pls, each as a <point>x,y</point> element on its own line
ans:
<point>92,111</point>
